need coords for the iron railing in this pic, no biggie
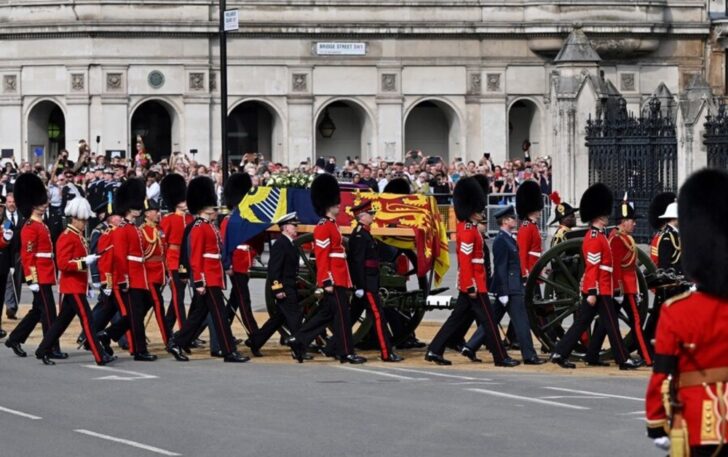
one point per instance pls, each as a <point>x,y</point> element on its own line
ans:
<point>715,138</point>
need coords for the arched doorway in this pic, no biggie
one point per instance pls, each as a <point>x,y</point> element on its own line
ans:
<point>433,127</point>
<point>343,129</point>
<point>153,120</point>
<point>254,127</point>
<point>524,123</point>
<point>46,132</point>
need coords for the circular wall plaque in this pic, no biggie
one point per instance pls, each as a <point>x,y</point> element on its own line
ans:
<point>156,79</point>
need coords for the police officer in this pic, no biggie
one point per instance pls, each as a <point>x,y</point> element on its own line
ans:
<point>364,267</point>
<point>332,275</point>
<point>281,281</point>
<point>565,215</point>
<point>596,283</point>
<point>686,403</point>
<point>204,258</point>
<point>469,201</point>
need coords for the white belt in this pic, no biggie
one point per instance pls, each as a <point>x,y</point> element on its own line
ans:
<point>605,268</point>
<point>479,261</point>
<point>243,247</point>
<point>134,258</point>
<point>211,256</point>
<point>338,255</point>
<point>534,253</point>
<point>44,255</point>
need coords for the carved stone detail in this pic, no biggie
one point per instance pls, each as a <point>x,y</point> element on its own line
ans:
<point>493,82</point>
<point>389,82</point>
<point>197,81</point>
<point>626,82</point>
<point>10,84</point>
<point>300,82</point>
<point>476,83</point>
<point>77,82</point>
<point>113,81</point>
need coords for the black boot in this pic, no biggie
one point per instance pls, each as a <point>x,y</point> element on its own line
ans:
<point>17,349</point>
<point>561,361</point>
<point>144,357</point>
<point>470,354</point>
<point>255,351</point>
<point>105,341</point>
<point>45,358</point>
<point>177,352</point>
<point>236,357</point>
<point>438,359</point>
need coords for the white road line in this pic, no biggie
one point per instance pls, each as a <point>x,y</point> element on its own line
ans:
<point>379,373</point>
<point>633,413</point>
<point>127,442</point>
<point>132,375</point>
<point>435,373</point>
<point>580,397</point>
<point>527,399</point>
<point>20,413</point>
<point>599,394</point>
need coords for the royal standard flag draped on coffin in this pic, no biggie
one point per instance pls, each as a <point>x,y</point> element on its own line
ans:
<point>262,206</point>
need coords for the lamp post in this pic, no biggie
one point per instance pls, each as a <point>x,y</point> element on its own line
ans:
<point>223,91</point>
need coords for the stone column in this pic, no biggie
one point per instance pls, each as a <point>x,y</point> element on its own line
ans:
<point>197,134</point>
<point>115,124</point>
<point>77,123</point>
<point>390,138</point>
<point>300,130</point>
<point>494,115</point>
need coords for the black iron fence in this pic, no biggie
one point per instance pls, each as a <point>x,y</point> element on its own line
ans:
<point>715,138</point>
<point>631,154</point>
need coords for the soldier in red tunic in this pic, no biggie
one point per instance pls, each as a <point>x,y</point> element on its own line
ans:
<point>173,189</point>
<point>469,201</point>
<point>332,275</point>
<point>130,274</point>
<point>204,258</point>
<point>73,260</point>
<point>626,286</point>
<point>153,244</point>
<point>237,185</point>
<point>686,401</point>
<point>597,282</point>
<point>529,204</point>
<point>36,255</point>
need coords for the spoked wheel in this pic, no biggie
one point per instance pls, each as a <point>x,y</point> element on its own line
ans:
<point>553,296</point>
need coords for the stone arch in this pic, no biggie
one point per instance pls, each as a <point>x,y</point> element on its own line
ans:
<point>525,122</point>
<point>435,126</point>
<point>45,129</point>
<point>159,122</point>
<point>356,129</point>
<point>256,123</point>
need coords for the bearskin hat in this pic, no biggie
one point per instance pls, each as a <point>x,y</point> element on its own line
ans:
<point>484,183</point>
<point>658,205</point>
<point>236,186</point>
<point>29,192</point>
<point>528,198</point>
<point>597,201</point>
<point>130,195</point>
<point>324,193</point>
<point>468,198</point>
<point>201,194</point>
<point>398,186</point>
<point>173,189</point>
<point>704,230</point>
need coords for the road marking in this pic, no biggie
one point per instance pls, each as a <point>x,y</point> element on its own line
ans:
<point>578,397</point>
<point>379,373</point>
<point>435,373</point>
<point>633,413</point>
<point>527,399</point>
<point>20,413</point>
<point>127,442</point>
<point>132,375</point>
<point>599,394</point>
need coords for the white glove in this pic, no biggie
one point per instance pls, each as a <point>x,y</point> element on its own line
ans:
<point>106,291</point>
<point>91,258</point>
<point>503,300</point>
<point>662,442</point>
<point>12,271</point>
<point>7,235</point>
<point>619,299</point>
<point>359,293</point>
<point>34,288</point>
<point>96,285</point>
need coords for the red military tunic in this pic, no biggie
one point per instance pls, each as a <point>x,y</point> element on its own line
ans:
<point>205,255</point>
<point>71,251</point>
<point>471,264</point>
<point>153,244</point>
<point>36,253</point>
<point>129,265</point>
<point>105,263</point>
<point>331,266</point>
<point>597,278</point>
<point>243,255</point>
<point>173,227</point>
<point>691,338</point>
<point>624,253</point>
<point>655,247</point>
<point>529,246</point>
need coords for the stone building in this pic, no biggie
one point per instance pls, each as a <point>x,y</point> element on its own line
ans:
<point>455,78</point>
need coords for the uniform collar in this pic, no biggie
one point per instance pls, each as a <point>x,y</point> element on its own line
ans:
<point>73,229</point>
<point>36,218</point>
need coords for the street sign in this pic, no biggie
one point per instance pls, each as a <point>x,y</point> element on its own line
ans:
<point>232,20</point>
<point>340,49</point>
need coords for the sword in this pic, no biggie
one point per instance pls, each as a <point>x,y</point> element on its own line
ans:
<point>15,292</point>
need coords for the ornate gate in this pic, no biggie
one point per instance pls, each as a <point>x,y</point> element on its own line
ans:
<point>716,139</point>
<point>634,155</point>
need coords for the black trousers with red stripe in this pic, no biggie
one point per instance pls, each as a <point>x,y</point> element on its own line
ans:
<point>467,309</point>
<point>289,314</point>
<point>373,303</point>
<point>155,292</point>
<point>333,310</point>
<point>133,305</point>
<point>71,305</point>
<point>43,311</point>
<point>211,302</point>
<point>176,310</point>
<point>600,333</point>
<point>604,307</point>
<point>240,299</point>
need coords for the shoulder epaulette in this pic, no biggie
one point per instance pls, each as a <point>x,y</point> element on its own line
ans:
<point>198,221</point>
<point>678,298</point>
<point>468,226</point>
<point>322,221</point>
<point>594,233</point>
